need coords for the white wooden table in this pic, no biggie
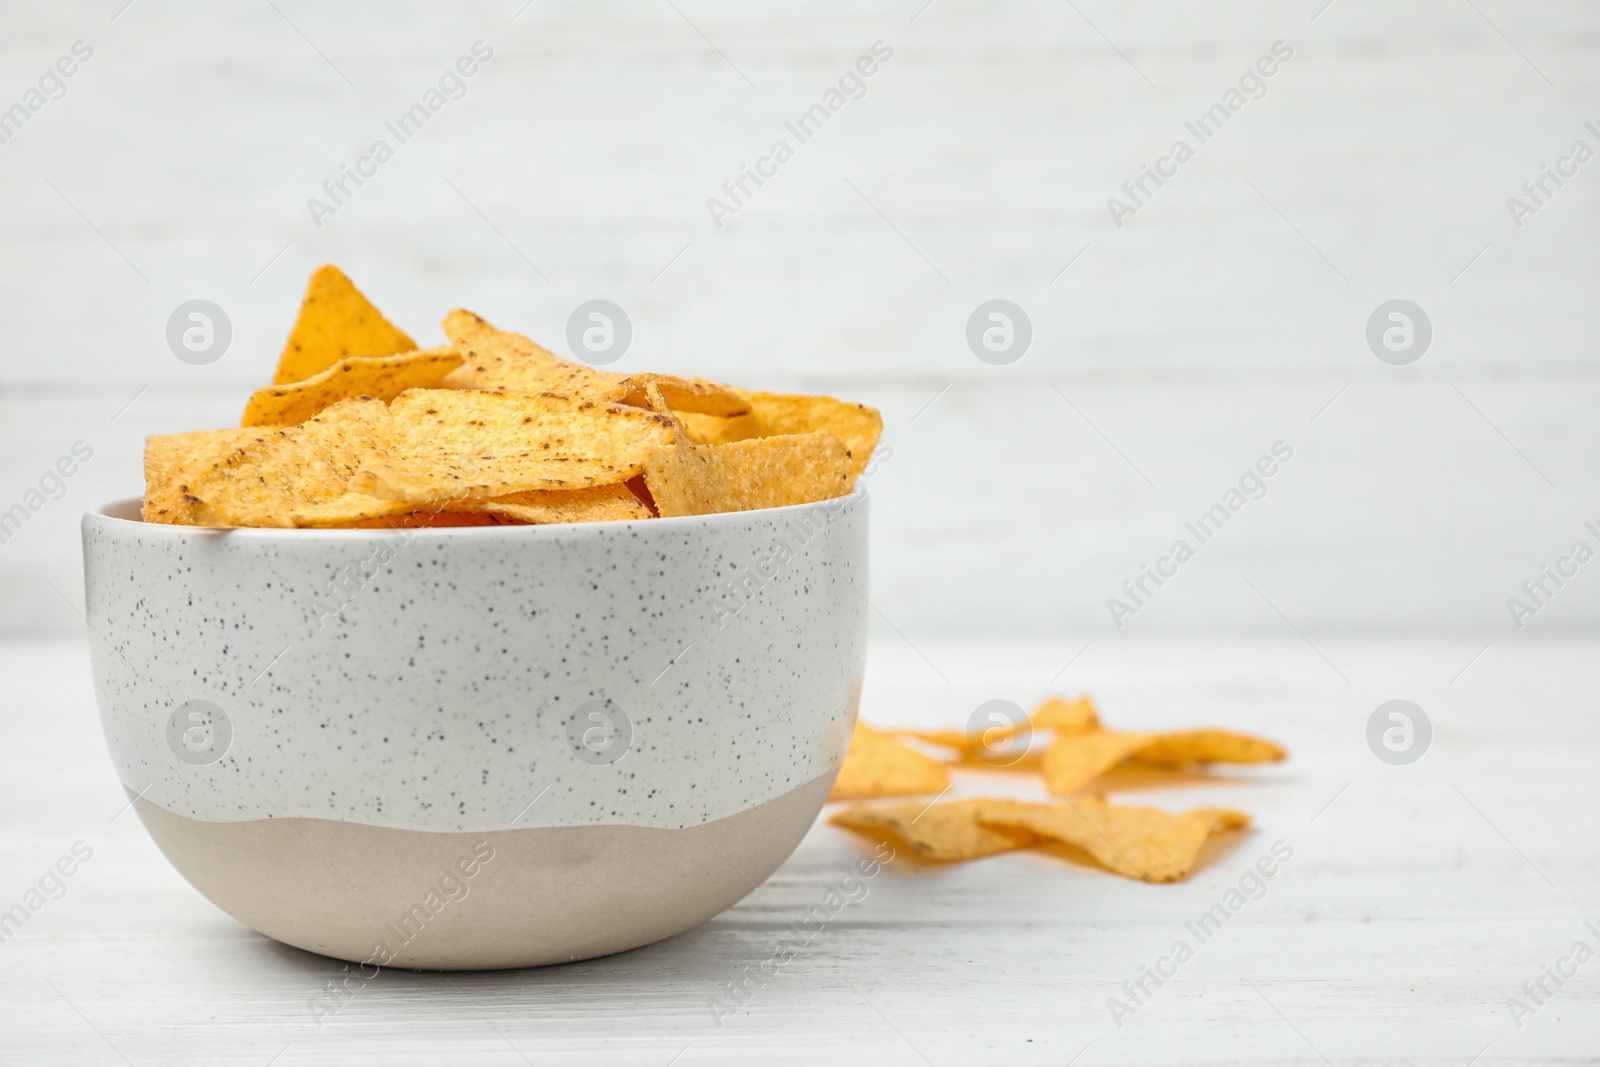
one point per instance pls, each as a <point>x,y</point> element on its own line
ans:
<point>1418,899</point>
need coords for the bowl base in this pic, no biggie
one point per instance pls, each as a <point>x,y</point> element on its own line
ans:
<point>417,899</point>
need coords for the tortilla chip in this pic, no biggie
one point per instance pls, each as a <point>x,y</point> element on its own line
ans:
<point>1207,746</point>
<point>1065,716</point>
<point>766,472</point>
<point>1135,842</point>
<point>171,460</point>
<point>940,833</point>
<point>265,480</point>
<point>461,445</point>
<point>944,738</point>
<point>684,394</point>
<point>876,766</point>
<point>656,402</point>
<point>1074,760</point>
<point>336,323</point>
<point>857,425</point>
<point>380,377</point>
<point>348,509</point>
<point>606,503</point>
<point>423,520</point>
<point>1054,713</point>
<point>509,362</point>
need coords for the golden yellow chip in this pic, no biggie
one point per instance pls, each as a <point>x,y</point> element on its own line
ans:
<point>1083,750</point>
<point>171,460</point>
<point>656,402</point>
<point>497,359</point>
<point>1074,760</point>
<point>422,520</point>
<point>876,766</point>
<point>765,472</point>
<point>1065,716</point>
<point>959,739</point>
<point>606,503</point>
<point>1207,746</point>
<point>336,323</point>
<point>492,426</point>
<point>380,377</point>
<point>461,445</point>
<point>1054,714</point>
<point>347,510</point>
<point>940,833</point>
<point>264,481</point>
<point>414,520</point>
<point>682,394</point>
<point>857,425</point>
<point>1135,842</point>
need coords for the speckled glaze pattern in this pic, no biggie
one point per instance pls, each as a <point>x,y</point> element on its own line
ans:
<point>433,679</point>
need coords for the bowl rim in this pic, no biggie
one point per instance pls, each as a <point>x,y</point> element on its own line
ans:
<point>105,516</point>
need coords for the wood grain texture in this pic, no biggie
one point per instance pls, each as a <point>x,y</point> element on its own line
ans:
<point>1226,315</point>
<point>1417,900</point>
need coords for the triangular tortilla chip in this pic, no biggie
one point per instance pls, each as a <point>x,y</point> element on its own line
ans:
<point>876,766</point>
<point>500,360</point>
<point>1184,747</point>
<point>278,472</point>
<point>1054,714</point>
<point>336,323</point>
<point>942,833</point>
<point>171,460</point>
<point>1065,716</point>
<point>606,503</point>
<point>349,510</point>
<point>684,394</point>
<point>1135,842</point>
<point>380,377</point>
<point>857,425</point>
<point>763,472</point>
<point>1074,760</point>
<point>462,445</point>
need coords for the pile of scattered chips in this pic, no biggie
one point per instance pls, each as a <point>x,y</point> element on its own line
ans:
<point>361,428</point>
<point>1135,842</point>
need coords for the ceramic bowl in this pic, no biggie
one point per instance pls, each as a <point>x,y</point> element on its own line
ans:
<point>479,747</point>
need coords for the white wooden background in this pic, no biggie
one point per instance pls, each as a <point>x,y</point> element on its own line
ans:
<point>1225,316</point>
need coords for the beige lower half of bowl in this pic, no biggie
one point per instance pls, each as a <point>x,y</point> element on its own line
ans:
<point>403,898</point>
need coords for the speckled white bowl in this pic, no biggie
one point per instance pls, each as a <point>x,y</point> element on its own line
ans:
<point>479,747</point>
